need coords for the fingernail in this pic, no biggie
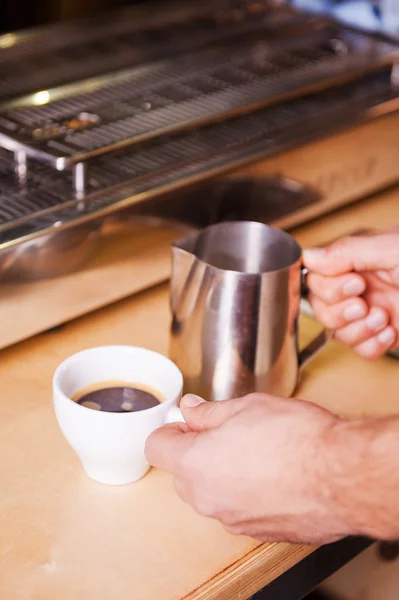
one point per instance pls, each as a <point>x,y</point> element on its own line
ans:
<point>387,336</point>
<point>353,312</point>
<point>353,287</point>
<point>314,253</point>
<point>191,400</point>
<point>376,320</point>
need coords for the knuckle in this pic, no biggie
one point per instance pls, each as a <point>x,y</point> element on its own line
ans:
<point>187,462</point>
<point>184,463</point>
<point>313,282</point>
<point>369,355</point>
<point>330,292</point>
<point>260,404</point>
<point>369,350</point>
<point>323,287</point>
<point>205,507</point>
<point>317,314</point>
<point>349,337</point>
<point>341,336</point>
<point>327,317</point>
<point>253,396</point>
<point>256,398</point>
<point>180,489</point>
<point>206,414</point>
<point>234,528</point>
<point>323,313</point>
<point>342,245</point>
<point>227,518</point>
<point>230,520</point>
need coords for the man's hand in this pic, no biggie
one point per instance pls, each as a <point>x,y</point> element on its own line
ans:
<point>354,289</point>
<point>263,466</point>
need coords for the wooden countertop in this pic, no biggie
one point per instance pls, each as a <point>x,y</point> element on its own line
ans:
<point>65,537</point>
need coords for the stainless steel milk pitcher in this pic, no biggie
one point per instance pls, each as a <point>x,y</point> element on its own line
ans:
<point>235,298</point>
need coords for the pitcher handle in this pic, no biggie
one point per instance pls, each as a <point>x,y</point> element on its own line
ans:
<point>315,345</point>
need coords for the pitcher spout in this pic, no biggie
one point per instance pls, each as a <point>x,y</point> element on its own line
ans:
<point>183,261</point>
<point>187,244</point>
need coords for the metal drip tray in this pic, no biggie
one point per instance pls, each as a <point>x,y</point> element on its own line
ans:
<point>76,123</point>
<point>45,199</point>
<point>66,250</point>
<point>52,56</point>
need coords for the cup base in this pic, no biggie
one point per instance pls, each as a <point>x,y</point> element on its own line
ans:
<point>115,478</point>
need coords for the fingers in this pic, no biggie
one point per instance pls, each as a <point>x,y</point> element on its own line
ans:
<point>340,314</point>
<point>166,447</point>
<point>335,289</point>
<point>362,330</point>
<point>357,253</point>
<point>201,415</point>
<point>378,345</point>
<point>368,333</point>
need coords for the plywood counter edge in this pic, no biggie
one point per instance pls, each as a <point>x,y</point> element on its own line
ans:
<point>252,572</point>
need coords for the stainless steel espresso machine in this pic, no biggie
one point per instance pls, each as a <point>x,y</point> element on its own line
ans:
<point>120,132</point>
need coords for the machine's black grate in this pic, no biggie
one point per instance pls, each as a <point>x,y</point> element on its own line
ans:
<point>72,51</point>
<point>171,97</point>
<point>163,161</point>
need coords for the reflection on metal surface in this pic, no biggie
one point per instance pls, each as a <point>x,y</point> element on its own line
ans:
<point>50,255</point>
<point>40,98</point>
<point>8,40</point>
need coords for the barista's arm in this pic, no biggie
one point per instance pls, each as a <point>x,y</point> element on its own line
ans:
<point>367,475</point>
<point>283,470</point>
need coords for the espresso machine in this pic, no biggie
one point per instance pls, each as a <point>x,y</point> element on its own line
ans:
<point>122,131</point>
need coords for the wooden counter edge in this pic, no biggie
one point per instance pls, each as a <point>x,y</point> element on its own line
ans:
<point>252,572</point>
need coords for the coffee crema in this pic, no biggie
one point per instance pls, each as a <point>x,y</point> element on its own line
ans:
<point>118,396</point>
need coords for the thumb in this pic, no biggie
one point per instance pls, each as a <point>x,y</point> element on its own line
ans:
<point>201,415</point>
<point>166,445</point>
<point>356,253</point>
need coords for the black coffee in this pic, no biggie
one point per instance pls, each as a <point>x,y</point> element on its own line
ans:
<point>116,398</point>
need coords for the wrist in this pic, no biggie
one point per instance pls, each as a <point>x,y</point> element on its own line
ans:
<point>360,488</point>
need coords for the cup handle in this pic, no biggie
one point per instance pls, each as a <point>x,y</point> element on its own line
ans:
<point>174,415</point>
<point>310,351</point>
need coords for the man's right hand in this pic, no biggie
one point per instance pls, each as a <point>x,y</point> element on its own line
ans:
<point>354,289</point>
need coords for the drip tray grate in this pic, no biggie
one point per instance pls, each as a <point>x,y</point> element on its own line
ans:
<point>167,98</point>
<point>46,194</point>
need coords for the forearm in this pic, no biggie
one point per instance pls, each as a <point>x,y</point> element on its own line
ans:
<point>363,466</point>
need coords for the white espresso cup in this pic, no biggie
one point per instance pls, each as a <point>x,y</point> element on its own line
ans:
<point>110,445</point>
